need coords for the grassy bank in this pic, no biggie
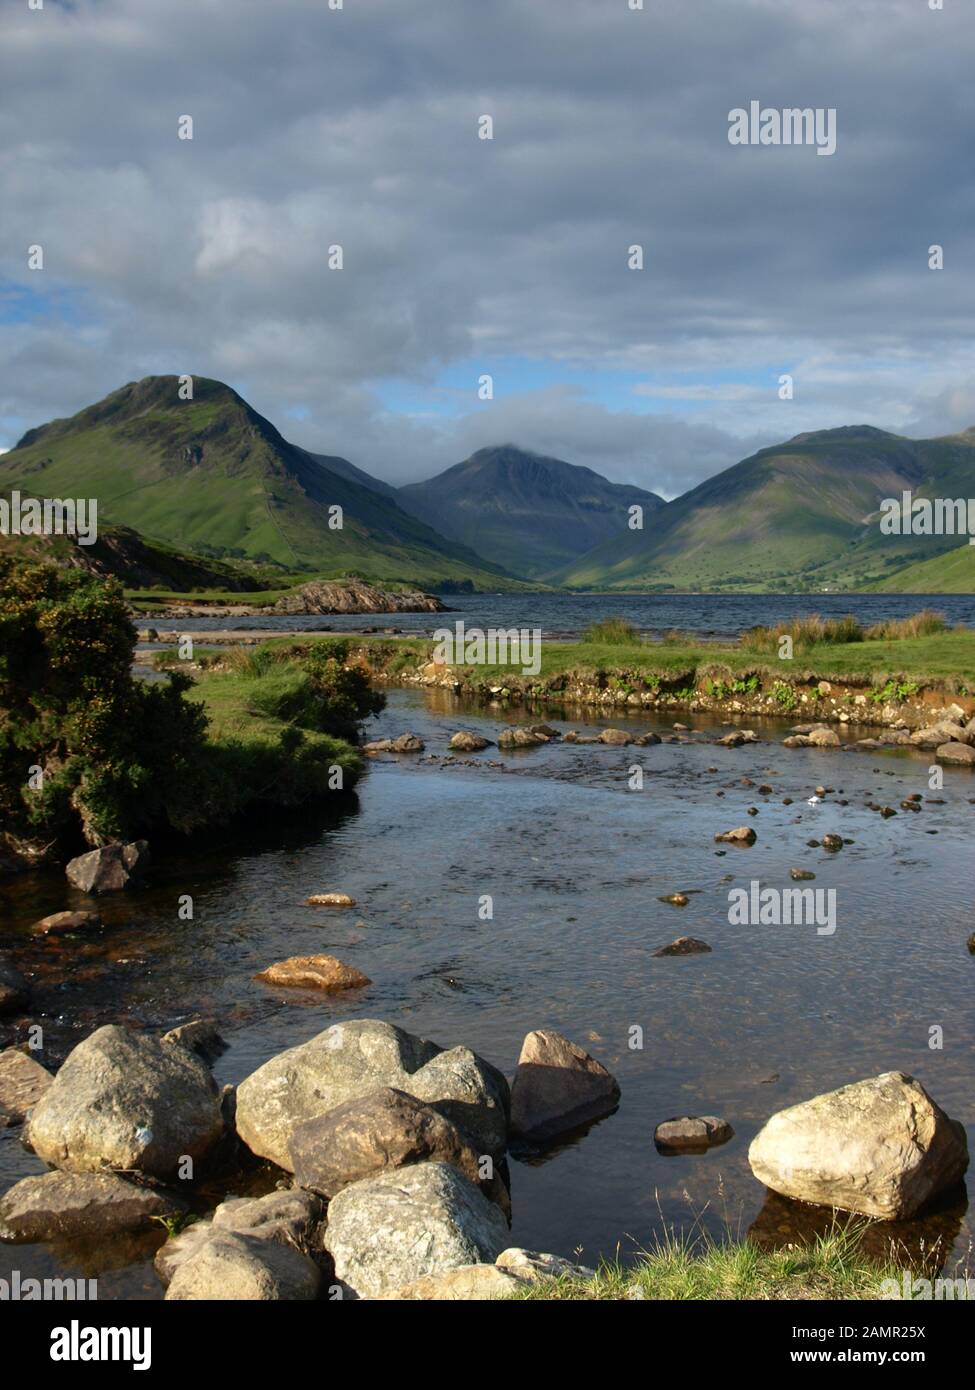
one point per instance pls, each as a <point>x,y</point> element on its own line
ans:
<point>832,1267</point>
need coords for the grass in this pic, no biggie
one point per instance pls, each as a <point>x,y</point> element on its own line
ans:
<point>678,1269</point>
<point>815,631</point>
<point>612,632</point>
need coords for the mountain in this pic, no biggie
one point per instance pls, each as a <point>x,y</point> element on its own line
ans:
<point>212,476</point>
<point>800,515</point>
<point>530,513</point>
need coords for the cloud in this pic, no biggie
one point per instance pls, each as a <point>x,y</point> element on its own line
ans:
<point>358,127</point>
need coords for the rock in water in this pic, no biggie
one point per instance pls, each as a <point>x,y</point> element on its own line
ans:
<point>71,1205</point>
<point>824,738</point>
<point>684,946</point>
<point>407,743</point>
<point>692,1134</point>
<point>244,1269</point>
<point>385,1129</point>
<point>314,972</point>
<point>558,1087</point>
<point>618,737</point>
<point>959,754</point>
<point>330,900</point>
<point>13,988</point>
<point>289,1217</point>
<point>351,1059</point>
<point>124,1100</point>
<point>880,1147</point>
<point>466,742</point>
<point>22,1082</point>
<point>110,869</point>
<point>743,835</point>
<point>61,922</point>
<point>403,1225</point>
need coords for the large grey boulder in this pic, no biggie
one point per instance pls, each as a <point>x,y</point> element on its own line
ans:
<point>241,1268</point>
<point>558,1087</point>
<point>880,1147</point>
<point>959,754</point>
<point>123,1100</point>
<point>351,1059</point>
<point>390,1230</point>
<point>71,1205</point>
<point>289,1217</point>
<point>109,869</point>
<point>385,1129</point>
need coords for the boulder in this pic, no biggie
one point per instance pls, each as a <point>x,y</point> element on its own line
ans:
<point>958,754</point>
<point>692,1134</point>
<point>733,740</point>
<point>72,1205</point>
<point>390,1230</point>
<point>314,972</point>
<point>824,738</point>
<point>13,987</point>
<point>743,835</point>
<point>617,737</point>
<point>407,743</point>
<point>382,1130</point>
<point>23,1082</point>
<point>200,1035</point>
<point>879,1147</point>
<point>287,1217</point>
<point>684,946</point>
<point>351,1059</point>
<point>330,900</point>
<point>463,1283</point>
<point>647,740</point>
<point>797,741</point>
<point>557,1088</point>
<point>126,1101</point>
<point>466,742</point>
<point>378,745</point>
<point>935,734</point>
<point>109,869</point>
<point>533,1266</point>
<point>520,738</point>
<point>832,843</point>
<point>240,1268</point>
<point>60,923</point>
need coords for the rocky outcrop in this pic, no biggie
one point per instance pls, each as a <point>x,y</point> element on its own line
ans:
<point>383,1130</point>
<point>880,1147</point>
<point>124,1100</point>
<point>23,1082</point>
<point>75,1205</point>
<point>349,1060</point>
<point>327,973</point>
<point>404,1225</point>
<point>557,1088</point>
<point>109,869</point>
<point>354,596</point>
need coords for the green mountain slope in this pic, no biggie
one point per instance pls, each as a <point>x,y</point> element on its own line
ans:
<point>802,515</point>
<point>212,476</point>
<point>530,513</point>
<point>951,573</point>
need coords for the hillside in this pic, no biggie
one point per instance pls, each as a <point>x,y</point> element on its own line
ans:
<point>802,515</point>
<point>531,514</point>
<point>951,573</point>
<point>213,477</point>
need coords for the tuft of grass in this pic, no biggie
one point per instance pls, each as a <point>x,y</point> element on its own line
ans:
<point>923,624</point>
<point>679,1268</point>
<point>615,632</point>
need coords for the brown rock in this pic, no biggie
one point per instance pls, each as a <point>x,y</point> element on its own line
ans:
<point>22,1083</point>
<point>314,972</point>
<point>676,899</point>
<point>684,946</point>
<point>71,1205</point>
<point>743,835</point>
<point>617,737</point>
<point>692,1133</point>
<point>330,900</point>
<point>558,1087</point>
<point>464,741</point>
<point>60,922</point>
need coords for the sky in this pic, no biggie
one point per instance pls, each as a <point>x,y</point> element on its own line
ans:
<point>507,257</point>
